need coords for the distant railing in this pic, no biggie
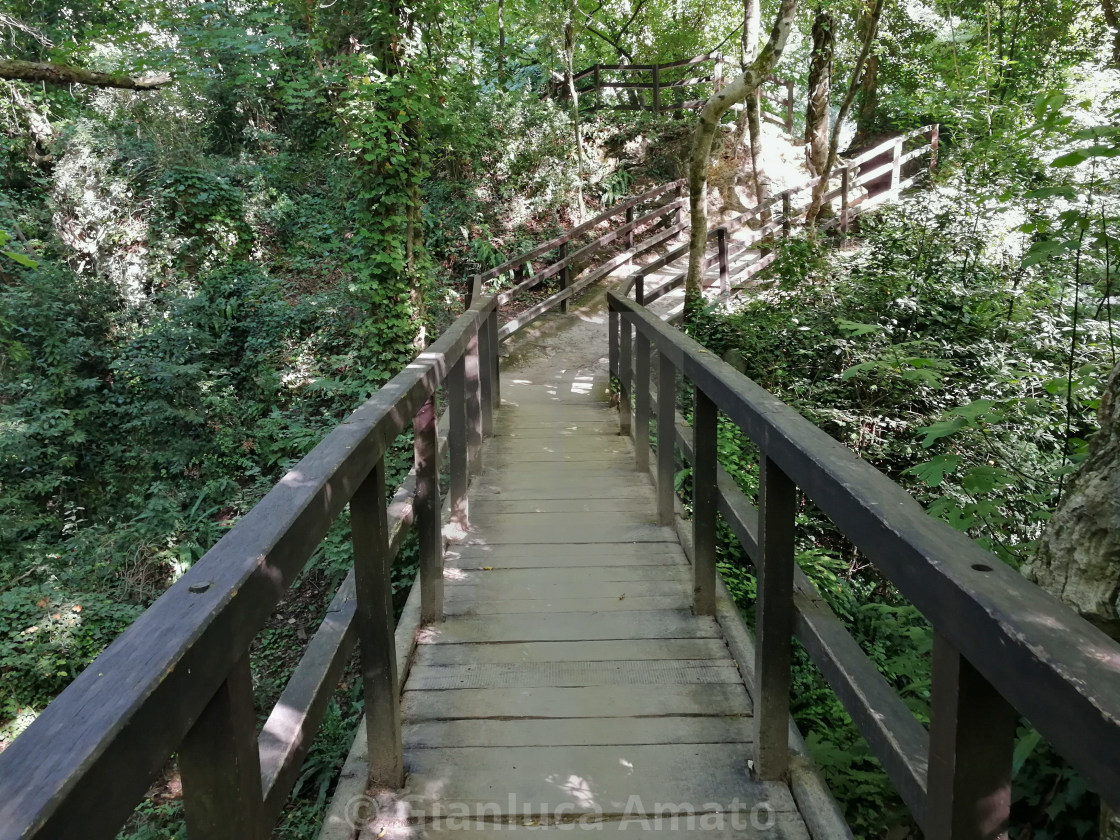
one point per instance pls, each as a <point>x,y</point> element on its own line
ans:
<point>660,79</point>
<point>1002,647</point>
<point>866,181</point>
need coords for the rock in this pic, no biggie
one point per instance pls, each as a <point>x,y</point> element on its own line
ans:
<point>1079,556</point>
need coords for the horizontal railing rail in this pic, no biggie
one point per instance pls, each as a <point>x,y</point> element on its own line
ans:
<point>1002,647</point>
<point>789,207</point>
<point>780,113</point>
<point>177,681</point>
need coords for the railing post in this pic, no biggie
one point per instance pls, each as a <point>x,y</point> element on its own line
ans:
<point>474,292</point>
<point>630,232</point>
<point>845,221</point>
<point>896,165</point>
<point>724,271</point>
<point>776,513</point>
<point>677,214</point>
<point>612,343</point>
<point>641,400</point>
<point>478,421</point>
<point>666,438</point>
<point>787,214</point>
<point>657,88</point>
<point>971,742</point>
<point>220,764</point>
<point>625,374</point>
<point>640,289</point>
<point>565,275</point>
<point>458,460</point>
<point>520,274</point>
<point>935,145</point>
<point>426,507</point>
<point>487,349</point>
<point>595,76</point>
<point>704,503</point>
<point>376,629</point>
<point>494,402</point>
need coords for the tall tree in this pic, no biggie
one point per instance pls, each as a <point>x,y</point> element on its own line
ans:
<point>1112,18</point>
<point>821,188</point>
<point>751,117</point>
<point>714,109</point>
<point>820,90</point>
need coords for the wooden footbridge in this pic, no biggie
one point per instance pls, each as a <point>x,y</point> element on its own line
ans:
<point>569,658</point>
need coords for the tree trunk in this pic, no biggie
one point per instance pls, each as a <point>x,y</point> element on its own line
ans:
<point>1078,558</point>
<point>1112,18</point>
<point>573,94</point>
<point>62,74</point>
<point>821,188</point>
<point>752,28</point>
<point>820,89</point>
<point>869,83</point>
<point>710,115</point>
<point>501,40</point>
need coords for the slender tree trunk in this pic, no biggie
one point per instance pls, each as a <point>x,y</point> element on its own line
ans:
<point>869,81</point>
<point>752,29</point>
<point>710,115</point>
<point>573,94</point>
<point>853,87</point>
<point>501,40</point>
<point>820,90</point>
<point>1112,18</point>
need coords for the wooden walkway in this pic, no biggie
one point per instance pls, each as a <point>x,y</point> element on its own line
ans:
<point>570,685</point>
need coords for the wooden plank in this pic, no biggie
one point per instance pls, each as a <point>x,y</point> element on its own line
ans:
<point>661,672</point>
<point>752,822</point>
<point>491,507</point>
<point>566,585</point>
<point>698,773</point>
<point>621,701</point>
<point>569,606</point>
<point>536,528</point>
<point>594,651</point>
<point>568,732</point>
<point>564,627</point>
<point>531,581</point>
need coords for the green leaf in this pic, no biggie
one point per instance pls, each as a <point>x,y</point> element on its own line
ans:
<point>1045,249</point>
<point>933,471</point>
<point>985,478</point>
<point>21,259</point>
<point>856,328</point>
<point>940,430</point>
<point>1023,751</point>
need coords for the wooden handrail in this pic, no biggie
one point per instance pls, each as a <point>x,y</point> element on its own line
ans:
<point>176,681</point>
<point>1002,646</point>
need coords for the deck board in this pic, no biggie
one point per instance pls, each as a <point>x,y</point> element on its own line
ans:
<point>570,681</point>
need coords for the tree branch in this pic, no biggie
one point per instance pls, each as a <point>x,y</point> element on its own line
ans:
<point>62,74</point>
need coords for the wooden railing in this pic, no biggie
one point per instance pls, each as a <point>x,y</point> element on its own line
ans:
<point>676,78</point>
<point>1002,647</point>
<point>859,190</point>
<point>177,681</point>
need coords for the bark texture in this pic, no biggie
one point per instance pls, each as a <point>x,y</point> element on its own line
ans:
<point>736,91</point>
<point>871,31</point>
<point>63,74</point>
<point>1078,559</point>
<point>1112,18</point>
<point>820,91</point>
<point>752,31</point>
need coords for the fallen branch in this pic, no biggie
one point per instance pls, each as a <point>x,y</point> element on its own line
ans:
<point>62,74</point>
